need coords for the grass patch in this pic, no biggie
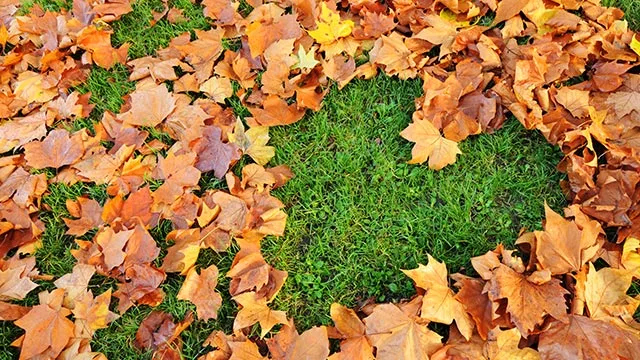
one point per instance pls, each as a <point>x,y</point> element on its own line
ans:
<point>358,213</point>
<point>137,28</point>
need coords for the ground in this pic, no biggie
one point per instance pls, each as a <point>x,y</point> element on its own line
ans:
<point>357,212</point>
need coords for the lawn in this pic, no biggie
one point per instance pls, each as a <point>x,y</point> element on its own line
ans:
<point>357,211</point>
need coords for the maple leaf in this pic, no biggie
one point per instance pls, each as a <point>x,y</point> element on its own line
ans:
<point>564,247</point>
<point>217,88</point>
<point>183,254</point>
<point>396,335</point>
<point>477,303</point>
<point>75,284</point>
<point>312,344</point>
<point>306,59</point>
<point>250,271</point>
<point>56,150</point>
<point>160,333</point>
<point>89,215</point>
<point>624,102</point>
<point>149,107</point>
<point>430,145</point>
<point>439,303</point>
<point>257,177</point>
<point>213,154</point>
<point>141,288</point>
<point>233,211</point>
<point>101,167</point>
<point>15,282</point>
<point>440,32</point>
<point>528,303</point>
<point>576,101</point>
<point>98,43</point>
<point>12,312</point>
<point>503,345</point>
<point>508,9</point>
<point>355,344</point>
<point>581,338</point>
<point>275,112</point>
<point>255,310</point>
<point>330,29</point>
<point>200,290</point>
<point>458,348</point>
<point>47,329</point>
<point>112,246</point>
<point>30,87</point>
<point>94,312</point>
<point>606,293</point>
<point>253,142</point>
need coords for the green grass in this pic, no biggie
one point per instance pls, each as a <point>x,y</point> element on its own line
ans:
<point>135,28</point>
<point>358,213</point>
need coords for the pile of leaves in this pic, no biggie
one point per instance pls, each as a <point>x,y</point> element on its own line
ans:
<point>566,68</point>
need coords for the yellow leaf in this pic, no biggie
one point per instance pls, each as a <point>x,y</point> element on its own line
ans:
<point>430,145</point>
<point>256,310</point>
<point>630,255</point>
<point>253,142</point>
<point>306,60</point>
<point>330,28</point>
<point>439,303</point>
<point>217,88</point>
<point>30,88</point>
<point>540,18</point>
<point>635,45</point>
<point>4,35</point>
<point>451,17</point>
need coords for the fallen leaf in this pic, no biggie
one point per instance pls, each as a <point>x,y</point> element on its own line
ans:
<point>56,150</point>
<point>200,290</point>
<point>254,311</point>
<point>439,303</point>
<point>430,145</point>
<point>395,335</point>
<point>47,328</point>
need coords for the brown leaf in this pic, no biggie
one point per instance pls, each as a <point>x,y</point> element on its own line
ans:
<point>355,344</point>
<point>56,150</point>
<point>200,290</point>
<point>478,304</point>
<point>503,345</point>
<point>576,101</point>
<point>75,284</point>
<point>563,247</point>
<point>11,312</point>
<point>94,312</point>
<point>395,335</point>
<point>47,329</point>
<point>254,311</point>
<point>528,303</point>
<point>439,303</point>
<point>183,254</point>
<point>89,217</point>
<point>312,344</point>
<point>580,338</point>
<point>15,282</point>
<point>149,107</point>
<point>142,287</point>
<point>430,145</point>
<point>508,9</point>
<point>213,154</point>
<point>275,112</point>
